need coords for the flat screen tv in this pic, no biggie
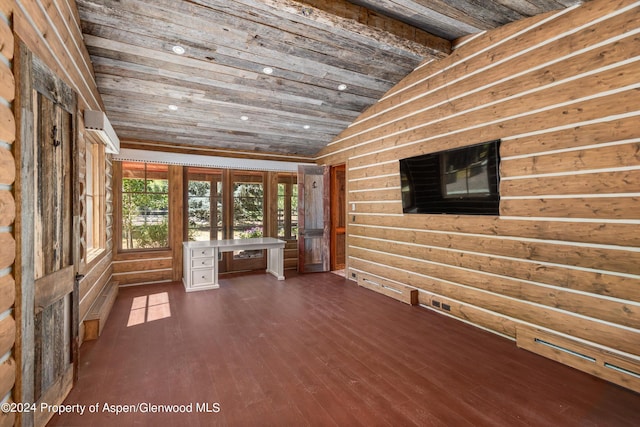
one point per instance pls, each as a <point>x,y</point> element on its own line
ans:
<point>458,181</point>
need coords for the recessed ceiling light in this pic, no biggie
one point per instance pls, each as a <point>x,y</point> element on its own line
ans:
<point>178,49</point>
<point>342,86</point>
<point>306,126</point>
<point>244,118</point>
<point>267,70</point>
<point>173,107</point>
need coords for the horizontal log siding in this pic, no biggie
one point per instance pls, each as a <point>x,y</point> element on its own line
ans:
<point>7,214</point>
<point>561,92</point>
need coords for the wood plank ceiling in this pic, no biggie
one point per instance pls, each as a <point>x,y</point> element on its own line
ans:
<point>219,92</point>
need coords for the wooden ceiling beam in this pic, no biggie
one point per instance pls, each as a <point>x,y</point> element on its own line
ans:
<point>343,15</point>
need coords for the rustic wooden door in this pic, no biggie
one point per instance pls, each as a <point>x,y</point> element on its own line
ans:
<point>313,219</point>
<point>48,311</point>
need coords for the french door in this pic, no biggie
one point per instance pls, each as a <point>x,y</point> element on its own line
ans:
<point>227,204</point>
<point>246,213</point>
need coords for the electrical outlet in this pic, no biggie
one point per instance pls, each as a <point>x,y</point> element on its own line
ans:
<point>446,307</point>
<point>435,303</point>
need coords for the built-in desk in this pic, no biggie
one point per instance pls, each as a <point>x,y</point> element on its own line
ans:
<point>200,259</point>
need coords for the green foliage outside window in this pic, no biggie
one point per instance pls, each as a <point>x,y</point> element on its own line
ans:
<point>145,213</point>
<point>247,210</point>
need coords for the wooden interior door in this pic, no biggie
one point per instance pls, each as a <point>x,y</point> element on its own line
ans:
<point>338,217</point>
<point>54,270</point>
<point>313,219</point>
<point>48,292</point>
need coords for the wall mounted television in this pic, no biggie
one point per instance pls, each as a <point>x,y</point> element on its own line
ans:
<point>458,181</point>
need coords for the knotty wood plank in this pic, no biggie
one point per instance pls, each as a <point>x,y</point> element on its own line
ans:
<point>7,83</point>
<point>143,264</point>
<point>52,287</point>
<point>7,250</point>
<point>7,334</point>
<point>379,208</point>
<point>618,312</point>
<point>7,208</point>
<point>143,276</point>
<point>378,183</point>
<point>603,233</point>
<point>575,255</point>
<point>616,156</point>
<point>7,124</point>
<point>6,7</point>
<point>6,37</point>
<point>576,136</point>
<point>392,194</point>
<point>7,292</point>
<point>591,183</point>
<point>551,274</point>
<point>7,375</point>
<point>619,208</point>
<point>101,268</point>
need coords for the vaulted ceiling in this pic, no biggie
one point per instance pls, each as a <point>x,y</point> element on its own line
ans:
<point>267,76</point>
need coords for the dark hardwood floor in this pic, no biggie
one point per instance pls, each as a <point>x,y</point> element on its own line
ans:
<point>318,350</point>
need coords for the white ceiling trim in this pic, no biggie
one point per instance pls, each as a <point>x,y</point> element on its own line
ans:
<point>131,155</point>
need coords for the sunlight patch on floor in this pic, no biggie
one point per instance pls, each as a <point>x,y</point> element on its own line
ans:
<point>148,308</point>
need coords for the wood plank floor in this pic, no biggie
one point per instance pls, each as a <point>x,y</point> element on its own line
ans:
<point>318,350</point>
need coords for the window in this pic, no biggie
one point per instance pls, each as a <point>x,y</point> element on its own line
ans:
<point>95,200</point>
<point>145,206</point>
<point>459,181</point>
<point>287,206</point>
<point>204,204</point>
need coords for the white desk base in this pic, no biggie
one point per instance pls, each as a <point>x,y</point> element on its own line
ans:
<point>200,259</point>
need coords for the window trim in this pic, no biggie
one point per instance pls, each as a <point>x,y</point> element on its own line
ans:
<point>119,194</point>
<point>95,171</point>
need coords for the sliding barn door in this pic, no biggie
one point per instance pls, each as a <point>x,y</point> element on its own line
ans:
<point>48,294</point>
<point>313,219</point>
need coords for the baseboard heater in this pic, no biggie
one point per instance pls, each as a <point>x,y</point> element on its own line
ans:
<point>394,290</point>
<point>616,368</point>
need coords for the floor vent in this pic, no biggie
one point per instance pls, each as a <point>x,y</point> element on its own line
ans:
<point>624,371</point>
<point>394,290</point>
<point>566,350</point>
<point>614,367</point>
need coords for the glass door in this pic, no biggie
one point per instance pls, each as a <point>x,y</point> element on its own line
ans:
<point>248,218</point>
<point>204,219</point>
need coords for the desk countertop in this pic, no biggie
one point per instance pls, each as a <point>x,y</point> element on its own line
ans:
<point>233,244</point>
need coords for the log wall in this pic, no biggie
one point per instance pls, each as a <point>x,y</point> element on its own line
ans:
<point>7,212</point>
<point>563,257</point>
<point>51,30</point>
